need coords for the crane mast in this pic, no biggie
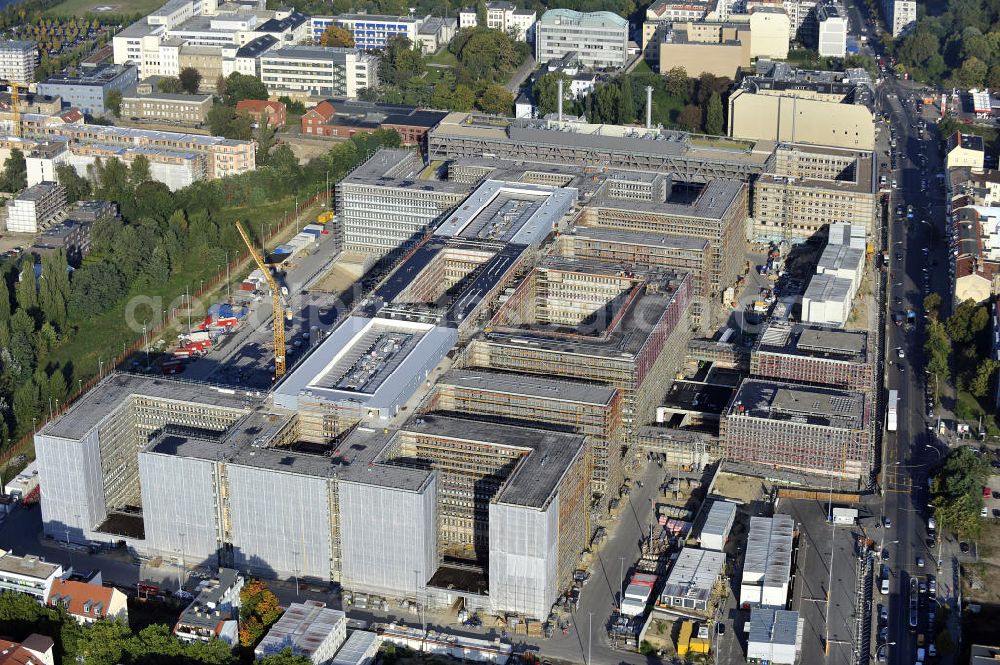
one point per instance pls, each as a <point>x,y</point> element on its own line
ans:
<point>276,304</point>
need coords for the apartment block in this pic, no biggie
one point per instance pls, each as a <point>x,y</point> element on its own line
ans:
<point>590,409</point>
<point>976,253</point>
<point>599,39</point>
<point>811,187</point>
<point>385,205</point>
<point>810,429</point>
<point>29,574</point>
<point>318,71</point>
<point>832,29</point>
<point>965,150</point>
<point>36,208</point>
<point>812,354</point>
<point>145,102</point>
<point>214,612</point>
<point>901,16</point>
<point>661,15</point>
<point>578,320</point>
<point>684,213</point>
<point>785,104</point>
<point>88,91</point>
<point>17,61</point>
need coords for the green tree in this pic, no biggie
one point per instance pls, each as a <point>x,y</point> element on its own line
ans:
<point>400,62</point>
<point>77,187</point>
<point>292,106</point>
<point>139,172</point>
<point>265,140</point>
<point>489,55</point>
<point>462,98</point>
<point>546,91</point>
<point>972,73</point>
<point>980,385</point>
<point>113,102</point>
<point>932,303</point>
<point>957,492</point>
<point>284,657</point>
<point>626,104</point>
<point>963,324</point>
<point>677,82</point>
<point>937,347</point>
<point>496,99</point>
<point>22,345</point>
<point>190,80</point>
<point>15,172</point>
<point>26,290</point>
<point>337,36</point>
<point>714,123</point>
<point>53,288</point>
<point>243,86</point>
<point>441,96</point>
<point>170,85</point>
<point>690,118</point>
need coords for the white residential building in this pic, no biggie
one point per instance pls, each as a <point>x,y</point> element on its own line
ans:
<point>28,574</point>
<point>246,59</point>
<point>17,61</point>
<point>467,18</point>
<point>36,208</point>
<point>503,16</point>
<point>832,21</point>
<point>600,39</point>
<point>309,629</point>
<point>901,16</point>
<point>317,71</point>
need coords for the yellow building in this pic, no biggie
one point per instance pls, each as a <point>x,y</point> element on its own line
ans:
<point>965,150</point>
<point>716,48</point>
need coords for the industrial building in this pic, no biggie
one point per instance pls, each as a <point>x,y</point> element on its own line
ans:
<point>361,648</point>
<point>87,91</point>
<point>344,118</point>
<point>29,575</point>
<point>600,39</point>
<point>318,71</point>
<point>385,204</point>
<point>145,102</point>
<point>811,429</point>
<point>17,61</point>
<point>309,629</point>
<point>813,354</point>
<point>775,636</point>
<point>767,566</point>
<point>594,322</point>
<point>687,212</point>
<point>470,135</point>
<point>785,104</point>
<point>692,579</point>
<point>36,208</point>
<point>715,531</point>
<point>827,300</point>
<point>811,187</point>
<point>590,409</point>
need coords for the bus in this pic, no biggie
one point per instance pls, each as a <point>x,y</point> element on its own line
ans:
<point>891,410</point>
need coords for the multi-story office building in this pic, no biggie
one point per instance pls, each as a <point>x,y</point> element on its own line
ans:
<point>384,205</point>
<point>812,354</point>
<point>318,71</point>
<point>371,31</point>
<point>599,39</point>
<point>810,187</point>
<point>798,106</point>
<point>579,320</point>
<point>900,16</point>
<point>831,29</point>
<point>88,91</point>
<point>688,212</point>
<point>809,429</point>
<point>36,208</point>
<point>146,103</point>
<point>17,61</point>
<point>585,408</point>
<point>246,59</point>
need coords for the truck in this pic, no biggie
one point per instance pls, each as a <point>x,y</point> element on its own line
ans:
<point>891,411</point>
<point>637,593</point>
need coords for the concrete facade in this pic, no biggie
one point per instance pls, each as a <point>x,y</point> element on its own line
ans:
<point>600,39</point>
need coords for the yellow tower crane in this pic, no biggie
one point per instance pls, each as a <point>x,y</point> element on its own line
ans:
<point>276,304</point>
<point>15,105</point>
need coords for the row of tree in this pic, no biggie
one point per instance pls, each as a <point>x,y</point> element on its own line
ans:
<point>958,47</point>
<point>962,341</point>
<point>113,642</point>
<point>957,492</point>
<point>161,238</point>
<point>486,59</point>
<point>695,105</point>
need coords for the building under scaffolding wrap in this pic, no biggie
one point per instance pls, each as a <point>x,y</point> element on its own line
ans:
<point>590,321</point>
<point>585,408</point>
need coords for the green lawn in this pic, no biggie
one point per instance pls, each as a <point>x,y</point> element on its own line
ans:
<point>969,409</point>
<point>80,7</point>
<point>443,57</point>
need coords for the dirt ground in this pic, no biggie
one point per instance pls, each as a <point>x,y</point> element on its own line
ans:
<point>982,578</point>
<point>743,489</point>
<point>860,317</point>
<point>347,269</point>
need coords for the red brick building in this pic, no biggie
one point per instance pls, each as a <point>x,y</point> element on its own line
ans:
<point>343,118</point>
<point>275,112</point>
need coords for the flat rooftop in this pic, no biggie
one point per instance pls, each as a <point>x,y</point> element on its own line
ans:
<point>824,407</point>
<point>715,199</point>
<point>509,212</point>
<point>303,627</point>
<point>626,237</point>
<point>694,573</point>
<point>369,362</point>
<point>536,478</point>
<point>772,626</point>
<point>399,167</point>
<point>557,390</point>
<point>98,76</point>
<point>111,393</point>
<point>798,339</point>
<point>28,566</point>
<point>698,397</point>
<point>37,192</point>
<point>769,550</point>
